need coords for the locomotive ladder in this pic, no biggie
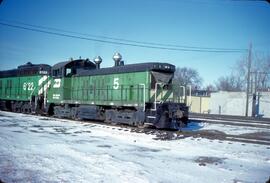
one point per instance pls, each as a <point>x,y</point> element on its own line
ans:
<point>144,90</point>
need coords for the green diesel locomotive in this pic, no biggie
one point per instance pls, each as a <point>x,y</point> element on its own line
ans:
<point>134,94</point>
<point>22,89</point>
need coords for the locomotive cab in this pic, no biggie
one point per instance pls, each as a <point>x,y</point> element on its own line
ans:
<point>62,73</point>
<point>70,68</point>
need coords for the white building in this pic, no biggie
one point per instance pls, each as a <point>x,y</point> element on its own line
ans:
<point>234,103</point>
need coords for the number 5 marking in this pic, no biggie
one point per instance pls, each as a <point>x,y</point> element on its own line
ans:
<point>115,83</point>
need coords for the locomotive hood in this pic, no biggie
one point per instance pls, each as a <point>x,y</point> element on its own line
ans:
<point>150,66</point>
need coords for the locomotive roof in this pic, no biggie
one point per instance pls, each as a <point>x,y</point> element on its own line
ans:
<point>60,64</point>
<point>87,63</point>
<point>26,70</point>
<point>140,67</point>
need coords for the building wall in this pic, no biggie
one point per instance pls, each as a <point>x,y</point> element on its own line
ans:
<point>264,107</point>
<point>198,104</point>
<point>234,103</point>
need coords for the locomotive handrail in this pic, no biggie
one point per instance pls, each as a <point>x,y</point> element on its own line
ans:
<point>31,94</point>
<point>184,91</point>
<point>189,95</point>
<point>156,84</point>
<point>144,89</point>
<point>31,97</point>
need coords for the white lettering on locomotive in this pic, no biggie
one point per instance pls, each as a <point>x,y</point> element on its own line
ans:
<point>115,83</point>
<point>28,86</point>
<point>56,96</point>
<point>57,83</point>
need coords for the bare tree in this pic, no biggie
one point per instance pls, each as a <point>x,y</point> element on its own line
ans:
<point>187,76</point>
<point>260,71</point>
<point>229,83</point>
<point>210,88</point>
<point>237,80</point>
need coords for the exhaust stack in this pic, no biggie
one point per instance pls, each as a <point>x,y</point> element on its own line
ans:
<point>117,57</point>
<point>98,61</point>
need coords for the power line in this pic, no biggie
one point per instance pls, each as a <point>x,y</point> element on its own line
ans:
<point>119,43</point>
<point>125,40</point>
<point>252,0</point>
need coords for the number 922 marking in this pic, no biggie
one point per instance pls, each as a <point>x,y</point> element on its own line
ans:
<point>28,86</point>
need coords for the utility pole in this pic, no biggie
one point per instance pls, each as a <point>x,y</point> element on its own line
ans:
<point>254,95</point>
<point>248,77</point>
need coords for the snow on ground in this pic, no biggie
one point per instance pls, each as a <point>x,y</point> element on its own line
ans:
<point>40,149</point>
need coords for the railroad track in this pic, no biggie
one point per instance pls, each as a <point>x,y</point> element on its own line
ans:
<point>256,138</point>
<point>261,139</point>
<point>231,120</point>
<point>252,138</point>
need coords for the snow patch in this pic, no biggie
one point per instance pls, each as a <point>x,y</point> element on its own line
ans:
<point>38,149</point>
